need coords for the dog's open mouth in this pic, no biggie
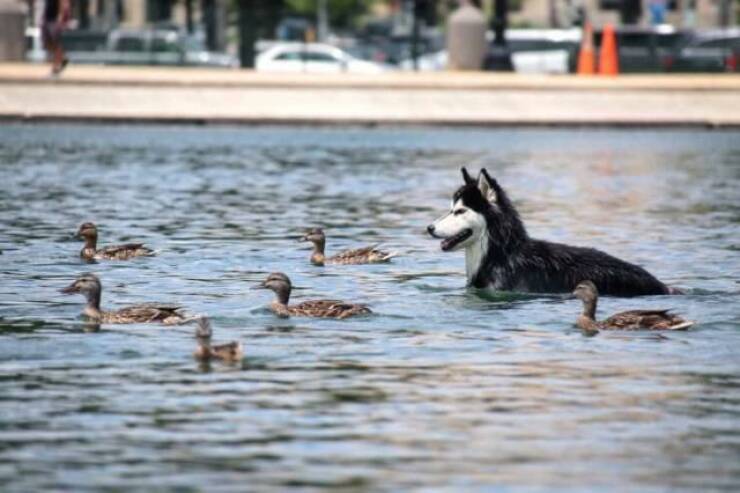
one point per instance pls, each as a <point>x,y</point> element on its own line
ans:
<point>451,242</point>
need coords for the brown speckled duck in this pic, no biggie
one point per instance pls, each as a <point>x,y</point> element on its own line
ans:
<point>89,232</point>
<point>366,255</point>
<point>89,285</point>
<point>280,284</point>
<point>630,320</point>
<point>228,352</point>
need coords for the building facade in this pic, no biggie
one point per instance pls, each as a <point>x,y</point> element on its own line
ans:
<point>700,14</point>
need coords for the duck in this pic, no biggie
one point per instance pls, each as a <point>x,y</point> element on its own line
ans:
<point>89,232</point>
<point>89,285</point>
<point>280,284</point>
<point>365,255</point>
<point>629,320</point>
<point>228,352</point>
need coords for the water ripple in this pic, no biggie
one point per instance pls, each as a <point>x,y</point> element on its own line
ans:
<point>443,389</point>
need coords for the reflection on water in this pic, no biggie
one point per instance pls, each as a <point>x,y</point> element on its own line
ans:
<point>442,388</point>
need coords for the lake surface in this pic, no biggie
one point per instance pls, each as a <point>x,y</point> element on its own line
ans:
<point>442,389</point>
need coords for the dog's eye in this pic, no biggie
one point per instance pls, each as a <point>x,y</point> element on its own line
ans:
<point>458,212</point>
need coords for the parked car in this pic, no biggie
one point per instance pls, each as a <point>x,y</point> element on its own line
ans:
<point>314,58</point>
<point>644,49</point>
<point>543,51</point>
<point>708,51</point>
<point>532,51</point>
<point>153,47</point>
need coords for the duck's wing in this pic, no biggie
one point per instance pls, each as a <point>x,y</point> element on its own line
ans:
<point>171,307</point>
<point>315,305</point>
<point>328,308</point>
<point>354,252</point>
<point>662,320</point>
<point>645,319</point>
<point>151,312</point>
<point>124,251</point>
<point>365,255</point>
<point>230,351</point>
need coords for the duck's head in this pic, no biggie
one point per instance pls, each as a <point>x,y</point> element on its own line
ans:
<point>87,284</point>
<point>203,331</point>
<point>315,236</point>
<point>586,291</point>
<point>279,283</point>
<point>87,231</point>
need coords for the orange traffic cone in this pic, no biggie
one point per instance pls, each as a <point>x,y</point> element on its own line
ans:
<point>608,58</point>
<point>586,61</point>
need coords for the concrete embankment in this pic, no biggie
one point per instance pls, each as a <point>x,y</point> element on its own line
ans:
<point>188,95</point>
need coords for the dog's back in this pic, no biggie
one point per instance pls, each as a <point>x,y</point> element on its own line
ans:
<point>545,267</point>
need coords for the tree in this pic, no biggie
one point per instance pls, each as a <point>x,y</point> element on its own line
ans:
<point>342,13</point>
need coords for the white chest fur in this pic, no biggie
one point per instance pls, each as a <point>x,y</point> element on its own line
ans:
<point>475,253</point>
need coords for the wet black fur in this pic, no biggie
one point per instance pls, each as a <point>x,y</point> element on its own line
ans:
<point>516,262</point>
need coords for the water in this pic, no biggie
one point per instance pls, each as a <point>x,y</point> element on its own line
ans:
<point>443,389</point>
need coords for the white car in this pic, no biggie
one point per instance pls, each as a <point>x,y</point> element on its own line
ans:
<point>312,58</point>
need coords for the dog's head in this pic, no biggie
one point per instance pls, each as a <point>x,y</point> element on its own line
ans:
<point>478,207</point>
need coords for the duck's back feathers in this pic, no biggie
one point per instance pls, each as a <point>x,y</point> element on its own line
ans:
<point>645,319</point>
<point>124,251</point>
<point>366,255</point>
<point>328,308</point>
<point>230,352</point>
<point>168,314</point>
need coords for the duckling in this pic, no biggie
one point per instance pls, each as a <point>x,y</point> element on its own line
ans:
<point>365,255</point>
<point>630,320</point>
<point>89,285</point>
<point>89,232</point>
<point>280,284</point>
<point>229,352</point>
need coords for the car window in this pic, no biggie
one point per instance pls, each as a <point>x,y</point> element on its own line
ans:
<point>191,43</point>
<point>165,45</point>
<point>289,55</point>
<point>537,45</point>
<point>131,43</point>
<point>670,40</point>
<point>721,43</point>
<point>314,56</point>
<point>634,40</point>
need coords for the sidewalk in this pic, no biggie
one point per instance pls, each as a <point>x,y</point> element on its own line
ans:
<point>194,95</point>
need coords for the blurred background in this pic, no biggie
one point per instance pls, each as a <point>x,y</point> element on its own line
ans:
<point>356,115</point>
<point>373,36</point>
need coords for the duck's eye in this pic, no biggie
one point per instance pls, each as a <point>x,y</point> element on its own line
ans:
<point>458,212</point>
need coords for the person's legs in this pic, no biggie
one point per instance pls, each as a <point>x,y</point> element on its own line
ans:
<point>58,56</point>
<point>61,55</point>
<point>53,44</point>
<point>46,40</point>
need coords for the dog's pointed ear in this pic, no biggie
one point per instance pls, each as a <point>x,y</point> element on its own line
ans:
<point>466,176</point>
<point>487,186</point>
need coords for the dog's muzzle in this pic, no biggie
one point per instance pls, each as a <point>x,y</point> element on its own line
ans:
<point>451,242</point>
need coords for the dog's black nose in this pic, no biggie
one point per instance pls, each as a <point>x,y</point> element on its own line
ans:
<point>430,229</point>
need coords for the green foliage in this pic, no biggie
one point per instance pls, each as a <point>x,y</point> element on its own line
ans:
<point>342,13</point>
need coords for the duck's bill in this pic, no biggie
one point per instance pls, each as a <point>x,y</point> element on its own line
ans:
<point>69,289</point>
<point>303,239</point>
<point>259,286</point>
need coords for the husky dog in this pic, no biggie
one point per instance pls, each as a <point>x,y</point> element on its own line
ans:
<point>499,253</point>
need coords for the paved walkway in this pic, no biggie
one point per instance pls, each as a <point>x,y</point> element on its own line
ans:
<point>187,95</point>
